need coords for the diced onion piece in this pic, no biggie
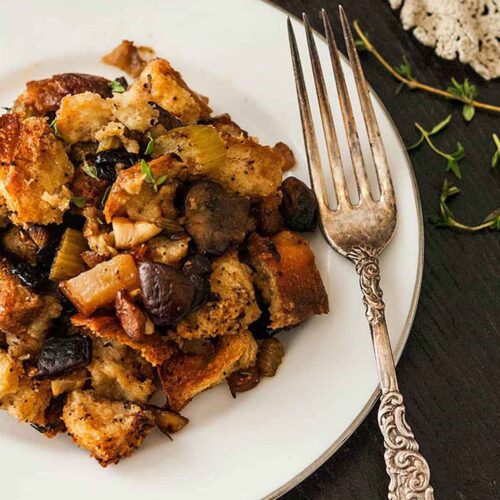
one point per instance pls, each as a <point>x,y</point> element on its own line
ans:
<point>98,286</point>
<point>200,146</point>
<point>129,233</point>
<point>67,262</point>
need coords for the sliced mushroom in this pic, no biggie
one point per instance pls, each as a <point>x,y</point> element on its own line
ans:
<point>216,218</point>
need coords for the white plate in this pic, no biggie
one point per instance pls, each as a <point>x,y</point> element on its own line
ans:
<point>236,52</point>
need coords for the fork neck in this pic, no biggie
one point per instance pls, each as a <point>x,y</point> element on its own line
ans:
<point>367,266</point>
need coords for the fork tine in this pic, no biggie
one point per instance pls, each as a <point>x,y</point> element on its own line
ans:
<point>312,151</point>
<point>376,144</point>
<point>332,145</point>
<point>347,113</point>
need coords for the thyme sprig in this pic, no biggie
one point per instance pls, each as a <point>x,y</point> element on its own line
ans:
<point>452,159</point>
<point>496,155</point>
<point>465,92</point>
<point>149,176</point>
<point>366,45</point>
<point>90,170</point>
<point>446,218</point>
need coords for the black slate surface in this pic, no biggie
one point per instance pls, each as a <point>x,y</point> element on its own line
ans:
<point>450,370</point>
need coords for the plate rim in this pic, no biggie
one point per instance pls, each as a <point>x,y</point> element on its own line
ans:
<point>398,351</point>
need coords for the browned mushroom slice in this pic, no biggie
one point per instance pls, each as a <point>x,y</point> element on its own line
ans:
<point>216,218</point>
<point>43,96</point>
<point>129,58</point>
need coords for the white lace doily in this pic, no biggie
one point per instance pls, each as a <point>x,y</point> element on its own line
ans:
<point>469,29</point>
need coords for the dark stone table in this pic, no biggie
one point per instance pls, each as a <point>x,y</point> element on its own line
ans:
<point>450,368</point>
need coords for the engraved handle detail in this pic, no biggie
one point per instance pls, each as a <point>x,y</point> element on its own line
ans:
<point>408,470</point>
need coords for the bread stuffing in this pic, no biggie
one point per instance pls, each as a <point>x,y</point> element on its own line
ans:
<point>149,251</point>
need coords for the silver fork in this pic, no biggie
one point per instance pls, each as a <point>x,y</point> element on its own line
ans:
<point>360,232</point>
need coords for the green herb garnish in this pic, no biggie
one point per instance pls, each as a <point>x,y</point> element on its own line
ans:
<point>465,92</point>
<point>446,218</point>
<point>78,201</point>
<point>90,170</point>
<point>105,196</point>
<point>149,176</point>
<point>451,158</point>
<point>53,126</point>
<point>360,45</point>
<point>404,69</point>
<point>116,87</point>
<point>496,155</point>
<point>149,147</point>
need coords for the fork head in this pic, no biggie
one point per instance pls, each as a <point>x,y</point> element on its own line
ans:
<point>368,224</point>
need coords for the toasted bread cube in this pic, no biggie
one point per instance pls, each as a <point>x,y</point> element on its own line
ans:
<point>11,371</point>
<point>110,430</point>
<point>250,169</point>
<point>287,278</point>
<point>34,171</point>
<point>43,96</point>
<point>16,241</point>
<point>133,197</point>
<point>20,395</point>
<point>233,310</point>
<point>81,116</point>
<point>69,382</point>
<point>165,87</point>
<point>185,375</point>
<point>119,373</point>
<point>24,315</point>
<point>152,347</point>
<point>168,251</point>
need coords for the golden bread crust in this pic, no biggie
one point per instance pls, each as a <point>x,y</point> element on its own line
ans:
<point>109,430</point>
<point>34,171</point>
<point>288,278</point>
<point>186,375</point>
<point>235,307</point>
<point>153,348</point>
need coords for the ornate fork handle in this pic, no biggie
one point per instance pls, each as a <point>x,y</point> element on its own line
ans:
<point>408,470</point>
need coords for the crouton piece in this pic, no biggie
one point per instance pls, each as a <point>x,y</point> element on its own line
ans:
<point>133,109</point>
<point>90,189</point>
<point>185,375</point>
<point>43,96</point>
<point>34,171</point>
<point>165,87</point>
<point>4,212</point>
<point>24,315</point>
<point>80,116</point>
<point>250,169</point>
<point>227,128</point>
<point>133,197</point>
<point>287,154</point>
<point>288,278</point>
<point>113,136</point>
<point>153,348</point>
<point>109,430</point>
<point>16,241</point>
<point>69,382</point>
<point>129,58</point>
<point>119,373</point>
<point>167,250</point>
<point>233,310</point>
<point>20,395</point>
<point>11,371</point>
